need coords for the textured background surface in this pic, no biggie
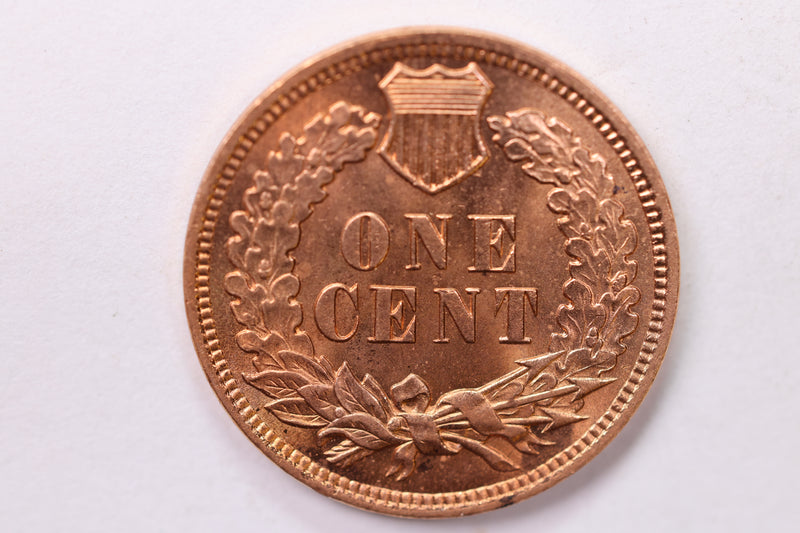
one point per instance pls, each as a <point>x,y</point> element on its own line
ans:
<point>108,117</point>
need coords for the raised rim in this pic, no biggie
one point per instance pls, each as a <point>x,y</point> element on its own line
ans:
<point>481,47</point>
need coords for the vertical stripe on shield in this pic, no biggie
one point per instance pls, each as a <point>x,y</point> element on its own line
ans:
<point>434,148</point>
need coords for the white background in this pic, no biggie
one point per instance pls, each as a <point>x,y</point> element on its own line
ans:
<point>109,115</point>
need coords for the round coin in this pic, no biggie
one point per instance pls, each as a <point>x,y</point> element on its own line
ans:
<point>431,272</point>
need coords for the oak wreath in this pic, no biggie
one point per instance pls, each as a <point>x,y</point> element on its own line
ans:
<point>545,392</point>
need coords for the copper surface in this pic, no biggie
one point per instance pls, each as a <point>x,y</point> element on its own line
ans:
<point>431,272</point>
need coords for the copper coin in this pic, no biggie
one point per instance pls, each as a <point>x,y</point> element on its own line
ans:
<point>431,272</point>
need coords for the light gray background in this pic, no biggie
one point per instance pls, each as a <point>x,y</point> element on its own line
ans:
<point>108,116</point>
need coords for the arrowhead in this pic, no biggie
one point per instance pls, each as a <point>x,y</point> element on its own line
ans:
<point>538,363</point>
<point>561,417</point>
<point>587,385</point>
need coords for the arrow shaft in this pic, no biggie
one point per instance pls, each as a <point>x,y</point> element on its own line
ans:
<point>525,400</point>
<point>447,418</point>
<point>499,382</point>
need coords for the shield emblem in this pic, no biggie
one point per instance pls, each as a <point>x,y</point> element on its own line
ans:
<point>433,139</point>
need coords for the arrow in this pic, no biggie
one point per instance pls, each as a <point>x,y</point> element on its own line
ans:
<point>538,363</point>
<point>560,417</point>
<point>587,385</point>
<point>532,366</point>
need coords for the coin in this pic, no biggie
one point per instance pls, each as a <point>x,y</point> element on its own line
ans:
<point>431,272</point>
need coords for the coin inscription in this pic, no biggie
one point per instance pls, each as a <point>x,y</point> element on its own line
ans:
<point>418,323</point>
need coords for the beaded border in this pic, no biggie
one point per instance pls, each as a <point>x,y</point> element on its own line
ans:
<point>391,499</point>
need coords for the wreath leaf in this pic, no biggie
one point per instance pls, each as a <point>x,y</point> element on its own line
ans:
<point>322,399</point>
<point>305,390</point>
<point>306,365</point>
<point>363,429</point>
<point>353,396</point>
<point>578,317</point>
<point>621,321</point>
<point>592,268</point>
<point>277,383</point>
<point>295,411</point>
<point>372,385</point>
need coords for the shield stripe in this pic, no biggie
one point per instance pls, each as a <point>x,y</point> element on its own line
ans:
<point>433,139</point>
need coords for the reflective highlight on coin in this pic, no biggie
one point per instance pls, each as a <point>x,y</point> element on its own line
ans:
<point>431,273</point>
